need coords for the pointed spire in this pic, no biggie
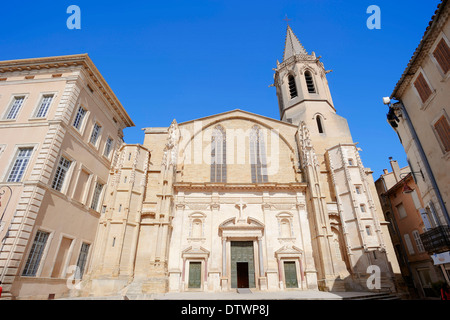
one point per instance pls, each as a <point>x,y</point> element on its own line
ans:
<point>293,45</point>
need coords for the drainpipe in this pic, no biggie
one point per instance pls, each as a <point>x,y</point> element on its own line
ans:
<point>424,159</point>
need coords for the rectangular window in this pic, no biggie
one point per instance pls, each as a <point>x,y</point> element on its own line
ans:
<point>442,55</point>
<point>108,147</point>
<point>362,207</point>
<point>61,172</point>
<point>14,110</point>
<point>95,134</point>
<point>44,106</point>
<point>82,259</point>
<point>96,196</point>
<point>35,256</point>
<point>422,88</point>
<point>20,164</point>
<point>368,231</point>
<point>443,130</point>
<point>81,113</point>
<point>419,243</point>
<point>409,244</point>
<point>401,211</point>
<point>358,189</point>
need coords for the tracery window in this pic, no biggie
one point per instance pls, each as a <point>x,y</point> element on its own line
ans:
<point>218,155</point>
<point>258,159</point>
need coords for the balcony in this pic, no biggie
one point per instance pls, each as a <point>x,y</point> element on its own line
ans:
<point>436,240</point>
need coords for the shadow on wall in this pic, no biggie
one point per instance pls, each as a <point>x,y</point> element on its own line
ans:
<point>372,273</point>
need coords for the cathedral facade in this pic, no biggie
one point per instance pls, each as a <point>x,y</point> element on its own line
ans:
<point>239,200</point>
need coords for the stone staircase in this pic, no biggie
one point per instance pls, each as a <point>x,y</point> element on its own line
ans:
<point>375,296</point>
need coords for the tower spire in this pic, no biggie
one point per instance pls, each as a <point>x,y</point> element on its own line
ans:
<point>292,45</point>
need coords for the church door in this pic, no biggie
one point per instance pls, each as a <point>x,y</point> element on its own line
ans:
<point>290,274</point>
<point>195,275</point>
<point>242,264</point>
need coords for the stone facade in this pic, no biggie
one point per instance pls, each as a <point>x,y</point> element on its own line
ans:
<point>241,200</point>
<point>50,169</point>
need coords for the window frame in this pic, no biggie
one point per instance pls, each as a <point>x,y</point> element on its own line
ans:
<point>82,124</point>
<point>441,37</point>
<point>67,176</point>
<point>426,102</point>
<point>441,143</point>
<point>37,265</point>
<point>218,172</point>
<point>37,108</point>
<point>13,160</point>
<point>96,143</point>
<point>99,197</point>
<point>11,104</point>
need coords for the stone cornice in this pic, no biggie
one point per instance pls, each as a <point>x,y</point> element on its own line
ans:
<point>70,61</point>
<point>238,186</point>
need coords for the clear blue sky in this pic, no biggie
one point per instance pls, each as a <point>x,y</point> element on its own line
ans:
<point>190,59</point>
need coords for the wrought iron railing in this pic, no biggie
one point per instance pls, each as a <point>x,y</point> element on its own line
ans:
<point>436,240</point>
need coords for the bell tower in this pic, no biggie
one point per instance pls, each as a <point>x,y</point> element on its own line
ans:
<point>303,94</point>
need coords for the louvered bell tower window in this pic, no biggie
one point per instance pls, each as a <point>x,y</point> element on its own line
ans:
<point>292,87</point>
<point>310,82</point>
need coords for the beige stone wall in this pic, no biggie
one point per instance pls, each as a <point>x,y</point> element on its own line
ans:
<point>66,215</point>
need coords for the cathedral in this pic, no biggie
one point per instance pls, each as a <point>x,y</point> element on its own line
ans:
<point>240,200</point>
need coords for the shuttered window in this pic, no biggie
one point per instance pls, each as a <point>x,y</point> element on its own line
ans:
<point>442,55</point>
<point>443,130</point>
<point>310,82</point>
<point>422,88</point>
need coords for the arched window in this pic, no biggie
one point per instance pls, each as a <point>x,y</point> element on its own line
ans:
<point>310,82</point>
<point>319,124</point>
<point>258,160</point>
<point>292,87</point>
<point>218,155</point>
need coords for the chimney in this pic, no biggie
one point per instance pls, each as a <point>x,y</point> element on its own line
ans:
<point>395,169</point>
<point>385,171</point>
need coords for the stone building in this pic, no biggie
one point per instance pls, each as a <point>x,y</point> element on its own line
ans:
<point>240,200</point>
<point>403,208</point>
<point>60,124</point>
<point>419,113</point>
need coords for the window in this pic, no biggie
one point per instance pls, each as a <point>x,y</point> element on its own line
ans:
<point>95,134</point>
<point>442,129</point>
<point>350,162</point>
<point>44,106</point>
<point>319,124</point>
<point>60,175</point>
<point>258,156</point>
<point>96,197</point>
<point>310,82</point>
<point>108,147</point>
<point>419,243</point>
<point>368,230</point>
<point>422,87</point>
<point>20,164</point>
<point>442,55</point>
<point>401,211</point>
<point>409,244</point>
<point>363,208</point>
<point>292,87</point>
<point>15,107</point>
<point>79,118</point>
<point>218,155</point>
<point>358,189</point>
<point>35,256</point>
<point>285,228</point>
<point>82,259</point>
